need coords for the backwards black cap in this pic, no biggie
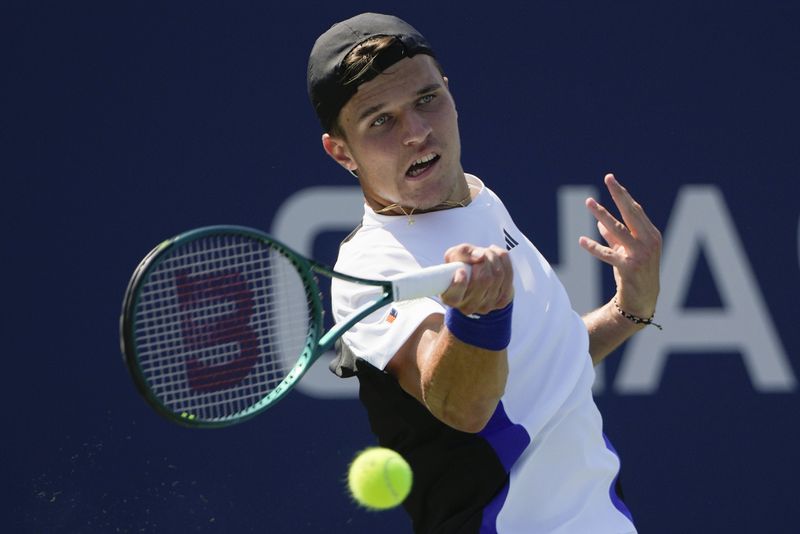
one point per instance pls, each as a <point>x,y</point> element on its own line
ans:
<point>327,87</point>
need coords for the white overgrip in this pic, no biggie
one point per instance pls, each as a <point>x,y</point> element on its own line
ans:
<point>426,282</point>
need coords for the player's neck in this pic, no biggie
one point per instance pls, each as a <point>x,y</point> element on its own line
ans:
<point>399,209</point>
<point>409,211</point>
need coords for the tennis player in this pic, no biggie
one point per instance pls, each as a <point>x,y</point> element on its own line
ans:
<point>487,389</point>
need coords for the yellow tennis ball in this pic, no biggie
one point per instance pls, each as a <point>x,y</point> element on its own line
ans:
<point>379,478</point>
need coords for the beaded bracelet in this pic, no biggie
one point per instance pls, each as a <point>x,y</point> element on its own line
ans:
<point>635,318</point>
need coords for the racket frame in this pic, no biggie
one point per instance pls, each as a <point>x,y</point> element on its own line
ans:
<point>317,342</point>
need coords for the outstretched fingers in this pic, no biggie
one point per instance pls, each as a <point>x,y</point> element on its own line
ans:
<point>599,251</point>
<point>633,248</point>
<point>633,215</point>
<point>610,227</point>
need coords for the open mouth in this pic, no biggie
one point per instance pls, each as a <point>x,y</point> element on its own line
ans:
<point>422,165</point>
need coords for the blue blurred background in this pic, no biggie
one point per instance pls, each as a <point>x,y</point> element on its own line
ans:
<point>125,123</point>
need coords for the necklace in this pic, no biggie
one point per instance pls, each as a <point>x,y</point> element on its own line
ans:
<point>444,205</point>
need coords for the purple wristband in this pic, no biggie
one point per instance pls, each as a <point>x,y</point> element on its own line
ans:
<point>491,331</point>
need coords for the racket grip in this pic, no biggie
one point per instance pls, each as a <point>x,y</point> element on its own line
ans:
<point>426,282</point>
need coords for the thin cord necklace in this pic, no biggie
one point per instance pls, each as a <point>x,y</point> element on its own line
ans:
<point>446,204</point>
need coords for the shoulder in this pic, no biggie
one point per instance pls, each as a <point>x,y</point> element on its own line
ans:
<point>372,253</point>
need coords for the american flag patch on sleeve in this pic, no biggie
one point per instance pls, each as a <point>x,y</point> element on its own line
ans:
<point>391,316</point>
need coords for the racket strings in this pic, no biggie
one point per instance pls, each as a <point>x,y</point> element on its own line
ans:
<point>219,325</point>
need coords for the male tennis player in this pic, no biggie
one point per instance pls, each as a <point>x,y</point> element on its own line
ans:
<point>486,390</point>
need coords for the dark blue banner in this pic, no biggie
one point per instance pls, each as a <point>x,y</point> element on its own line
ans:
<point>124,124</point>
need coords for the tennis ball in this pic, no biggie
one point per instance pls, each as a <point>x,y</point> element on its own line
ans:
<point>379,478</point>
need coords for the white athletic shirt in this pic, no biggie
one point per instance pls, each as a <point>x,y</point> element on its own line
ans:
<point>547,412</point>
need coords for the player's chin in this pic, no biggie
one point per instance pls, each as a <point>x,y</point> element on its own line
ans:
<point>426,199</point>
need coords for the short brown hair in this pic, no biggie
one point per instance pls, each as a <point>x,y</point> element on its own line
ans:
<point>325,76</point>
<point>359,66</point>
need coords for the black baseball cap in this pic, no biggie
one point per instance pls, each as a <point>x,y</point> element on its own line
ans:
<point>327,88</point>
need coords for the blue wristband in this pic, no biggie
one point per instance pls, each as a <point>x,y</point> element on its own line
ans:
<point>491,331</point>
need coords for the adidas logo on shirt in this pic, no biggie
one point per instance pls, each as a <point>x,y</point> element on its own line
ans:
<point>510,241</point>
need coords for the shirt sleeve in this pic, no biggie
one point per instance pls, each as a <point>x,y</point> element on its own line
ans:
<point>378,337</point>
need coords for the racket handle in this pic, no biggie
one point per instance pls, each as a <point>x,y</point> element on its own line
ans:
<point>426,282</point>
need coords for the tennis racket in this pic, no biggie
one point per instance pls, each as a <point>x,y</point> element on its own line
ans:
<point>219,323</point>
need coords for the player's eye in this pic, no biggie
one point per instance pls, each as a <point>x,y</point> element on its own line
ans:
<point>427,99</point>
<point>380,121</point>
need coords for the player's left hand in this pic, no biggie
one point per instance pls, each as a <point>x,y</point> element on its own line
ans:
<point>633,249</point>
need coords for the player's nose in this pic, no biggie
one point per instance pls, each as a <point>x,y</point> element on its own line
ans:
<point>416,128</point>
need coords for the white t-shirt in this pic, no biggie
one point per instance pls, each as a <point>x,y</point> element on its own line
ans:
<point>550,370</point>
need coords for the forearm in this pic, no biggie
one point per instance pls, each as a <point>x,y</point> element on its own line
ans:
<point>608,329</point>
<point>456,364</point>
<point>462,384</point>
<point>459,384</point>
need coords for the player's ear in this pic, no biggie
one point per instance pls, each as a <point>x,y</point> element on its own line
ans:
<point>337,149</point>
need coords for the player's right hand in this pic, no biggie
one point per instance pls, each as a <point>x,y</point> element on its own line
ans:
<point>489,287</point>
